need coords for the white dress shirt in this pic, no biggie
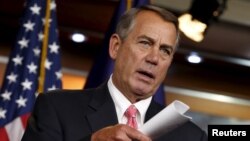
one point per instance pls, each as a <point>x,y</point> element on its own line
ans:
<point>122,103</point>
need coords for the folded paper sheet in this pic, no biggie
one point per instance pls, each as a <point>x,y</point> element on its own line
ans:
<point>168,119</point>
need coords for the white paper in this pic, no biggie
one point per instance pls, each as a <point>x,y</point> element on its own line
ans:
<point>166,120</point>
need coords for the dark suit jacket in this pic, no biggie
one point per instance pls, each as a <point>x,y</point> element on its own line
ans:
<point>74,115</point>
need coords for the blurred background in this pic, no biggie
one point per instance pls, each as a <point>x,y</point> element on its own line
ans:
<point>216,86</point>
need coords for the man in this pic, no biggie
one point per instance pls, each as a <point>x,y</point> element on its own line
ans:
<point>143,48</point>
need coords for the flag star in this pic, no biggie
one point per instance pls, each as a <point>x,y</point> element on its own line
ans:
<point>58,74</point>
<point>12,78</point>
<point>52,88</point>
<point>2,113</point>
<point>23,43</point>
<point>48,64</point>
<point>52,5</point>
<point>17,60</point>
<point>54,48</point>
<point>6,95</point>
<point>37,51</point>
<point>26,84</point>
<point>40,36</point>
<point>36,94</point>
<point>32,68</point>
<point>29,26</point>
<point>21,102</point>
<point>43,20</point>
<point>35,9</point>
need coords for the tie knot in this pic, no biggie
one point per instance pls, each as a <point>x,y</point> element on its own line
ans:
<point>131,111</point>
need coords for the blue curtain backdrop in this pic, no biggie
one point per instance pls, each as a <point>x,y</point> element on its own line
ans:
<point>103,65</point>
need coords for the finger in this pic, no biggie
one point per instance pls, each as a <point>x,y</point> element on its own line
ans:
<point>134,134</point>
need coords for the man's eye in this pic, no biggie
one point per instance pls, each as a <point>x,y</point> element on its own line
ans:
<point>145,43</point>
<point>166,51</point>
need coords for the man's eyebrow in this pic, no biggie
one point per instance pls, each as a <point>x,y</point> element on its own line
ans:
<point>152,41</point>
<point>168,47</point>
<point>148,38</point>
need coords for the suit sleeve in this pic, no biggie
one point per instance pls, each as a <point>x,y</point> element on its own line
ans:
<point>43,124</point>
<point>204,136</point>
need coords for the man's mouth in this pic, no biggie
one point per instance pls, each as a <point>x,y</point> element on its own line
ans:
<point>147,74</point>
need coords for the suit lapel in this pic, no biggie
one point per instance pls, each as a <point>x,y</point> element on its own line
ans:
<point>104,109</point>
<point>153,109</point>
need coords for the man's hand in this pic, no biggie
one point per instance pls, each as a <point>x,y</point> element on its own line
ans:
<point>119,132</point>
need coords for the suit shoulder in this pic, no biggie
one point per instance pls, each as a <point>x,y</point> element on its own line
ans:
<point>191,131</point>
<point>66,96</point>
<point>63,93</point>
<point>191,126</point>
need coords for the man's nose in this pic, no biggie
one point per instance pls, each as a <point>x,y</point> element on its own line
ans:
<point>153,56</point>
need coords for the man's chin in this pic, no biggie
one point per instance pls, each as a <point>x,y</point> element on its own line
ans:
<point>142,88</point>
<point>143,92</point>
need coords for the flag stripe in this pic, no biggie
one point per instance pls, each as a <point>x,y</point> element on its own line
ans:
<point>15,130</point>
<point>24,119</point>
<point>3,135</point>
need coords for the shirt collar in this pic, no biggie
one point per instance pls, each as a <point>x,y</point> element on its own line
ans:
<point>122,103</point>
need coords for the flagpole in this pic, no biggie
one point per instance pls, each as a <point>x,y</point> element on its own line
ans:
<point>44,49</point>
<point>129,4</point>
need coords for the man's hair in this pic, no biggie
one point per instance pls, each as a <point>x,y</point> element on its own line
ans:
<point>127,21</point>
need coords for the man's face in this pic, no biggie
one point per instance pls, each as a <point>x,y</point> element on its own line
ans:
<point>143,58</point>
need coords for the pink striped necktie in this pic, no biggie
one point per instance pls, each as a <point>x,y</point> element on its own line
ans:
<point>131,116</point>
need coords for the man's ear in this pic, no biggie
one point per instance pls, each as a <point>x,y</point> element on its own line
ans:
<point>114,44</point>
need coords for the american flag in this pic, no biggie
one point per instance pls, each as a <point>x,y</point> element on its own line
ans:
<point>33,67</point>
